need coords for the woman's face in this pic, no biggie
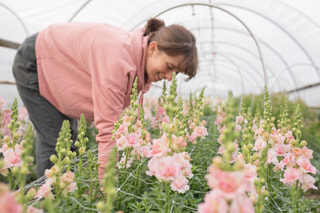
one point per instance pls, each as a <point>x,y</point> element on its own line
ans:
<point>160,65</point>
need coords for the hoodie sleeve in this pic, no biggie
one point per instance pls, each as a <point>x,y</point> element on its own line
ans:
<point>112,68</point>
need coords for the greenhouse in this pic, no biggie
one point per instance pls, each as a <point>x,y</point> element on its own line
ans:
<point>216,111</point>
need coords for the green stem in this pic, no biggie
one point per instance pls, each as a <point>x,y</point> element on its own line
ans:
<point>294,196</point>
<point>79,175</point>
<point>10,180</point>
<point>126,160</point>
<point>259,204</point>
<point>167,196</point>
<point>136,182</point>
<point>91,182</point>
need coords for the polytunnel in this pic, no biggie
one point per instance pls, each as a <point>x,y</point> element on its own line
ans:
<point>91,143</point>
<point>243,46</point>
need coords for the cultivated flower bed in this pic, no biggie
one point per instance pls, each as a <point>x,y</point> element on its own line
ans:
<point>173,156</point>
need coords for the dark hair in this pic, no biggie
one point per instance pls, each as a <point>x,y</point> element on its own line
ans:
<point>174,40</point>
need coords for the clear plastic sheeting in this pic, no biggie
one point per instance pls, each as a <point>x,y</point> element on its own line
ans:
<point>243,45</point>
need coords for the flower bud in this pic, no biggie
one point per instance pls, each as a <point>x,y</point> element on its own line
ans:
<point>303,143</point>
<point>256,162</point>
<point>53,159</point>
<point>253,198</point>
<point>298,134</point>
<point>238,165</point>
<point>230,147</point>
<point>100,205</point>
<point>82,150</point>
<point>66,160</point>
<point>15,171</point>
<point>292,141</point>
<point>24,170</point>
<point>6,139</point>
<point>74,154</point>
<point>217,161</point>
<point>55,170</point>
<point>31,193</point>
<point>16,135</point>
<point>63,151</point>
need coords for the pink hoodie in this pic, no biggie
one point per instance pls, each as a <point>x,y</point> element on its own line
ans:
<point>89,68</point>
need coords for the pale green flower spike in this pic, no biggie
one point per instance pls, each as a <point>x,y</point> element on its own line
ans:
<point>81,142</point>
<point>14,124</point>
<point>297,127</point>
<point>109,182</point>
<point>267,115</point>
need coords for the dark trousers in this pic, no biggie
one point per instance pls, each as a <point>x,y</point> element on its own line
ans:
<point>46,119</point>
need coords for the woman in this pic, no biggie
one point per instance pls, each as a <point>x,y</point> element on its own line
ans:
<point>71,69</point>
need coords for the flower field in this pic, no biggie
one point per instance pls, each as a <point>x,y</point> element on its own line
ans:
<point>171,155</point>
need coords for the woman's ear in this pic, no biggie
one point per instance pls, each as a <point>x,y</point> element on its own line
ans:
<point>153,46</point>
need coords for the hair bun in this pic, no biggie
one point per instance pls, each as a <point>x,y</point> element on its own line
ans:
<point>153,25</point>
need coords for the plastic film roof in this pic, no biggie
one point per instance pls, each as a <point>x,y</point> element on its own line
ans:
<point>243,46</point>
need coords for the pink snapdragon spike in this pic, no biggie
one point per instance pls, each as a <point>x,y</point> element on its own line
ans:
<point>250,171</point>
<point>11,157</point>
<point>67,177</point>
<point>214,202</point>
<point>180,184</point>
<point>143,151</point>
<point>161,116</point>
<point>123,164</point>
<point>305,165</point>
<point>234,154</point>
<point>294,161</point>
<point>133,139</point>
<point>122,142</point>
<point>229,190</point>
<point>67,182</point>
<point>272,156</point>
<point>8,203</point>
<point>307,152</point>
<point>24,117</point>
<point>218,120</point>
<point>259,144</point>
<point>289,160</point>
<point>123,130</point>
<point>242,204</point>
<point>291,175</point>
<point>44,190</point>
<point>128,138</point>
<point>160,147</point>
<point>229,183</point>
<point>32,209</point>
<point>199,132</point>
<point>239,119</point>
<point>178,143</point>
<point>173,169</point>
<point>2,103</point>
<point>4,147</point>
<point>281,149</point>
<point>70,188</point>
<point>307,182</point>
<point>6,121</point>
